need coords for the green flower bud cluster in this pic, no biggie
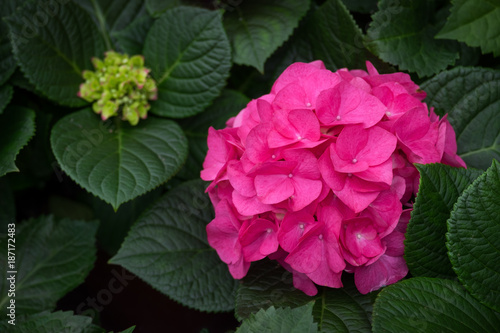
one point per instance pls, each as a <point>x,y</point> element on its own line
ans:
<point>119,83</point>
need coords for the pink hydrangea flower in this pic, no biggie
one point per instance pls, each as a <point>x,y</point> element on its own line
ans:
<point>316,174</point>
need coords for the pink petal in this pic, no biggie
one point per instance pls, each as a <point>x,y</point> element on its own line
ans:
<point>346,104</point>
<point>248,206</point>
<point>324,276</point>
<point>239,269</point>
<point>308,254</point>
<point>383,272</point>
<point>239,179</point>
<point>293,226</point>
<point>223,232</point>
<point>259,239</point>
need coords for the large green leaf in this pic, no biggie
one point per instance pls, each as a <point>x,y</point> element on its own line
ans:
<point>335,310</point>
<point>471,97</point>
<point>55,322</point>
<point>167,247</point>
<point>131,39</point>
<point>6,92</point>
<point>402,33</point>
<point>7,62</point>
<point>189,56</point>
<point>51,258</point>
<point>257,28</point>
<point>63,46</point>
<point>473,242</point>
<point>113,15</point>
<point>425,244</point>
<point>157,7</point>
<point>431,305</point>
<point>17,126</point>
<point>334,37</point>
<point>115,225</point>
<point>116,161</point>
<point>298,320</point>
<point>196,128</point>
<point>474,22</point>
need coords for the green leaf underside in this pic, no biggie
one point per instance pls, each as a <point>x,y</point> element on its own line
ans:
<point>131,38</point>
<point>196,128</point>
<point>17,127</point>
<point>473,242</point>
<point>474,22</point>
<point>431,305</point>
<point>425,244</point>
<point>471,97</point>
<point>63,47</point>
<point>402,34</point>
<point>298,320</point>
<point>55,322</point>
<point>7,62</point>
<point>6,93</point>
<point>257,28</point>
<point>189,57</point>
<point>334,37</point>
<point>52,258</point>
<point>115,161</point>
<point>335,310</point>
<point>167,247</point>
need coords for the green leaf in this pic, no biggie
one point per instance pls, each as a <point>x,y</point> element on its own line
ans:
<point>167,247</point>
<point>6,92</point>
<point>266,284</point>
<point>196,128</point>
<point>63,46</point>
<point>335,37</point>
<point>19,80</point>
<point>116,224</point>
<point>471,97</point>
<point>298,320</point>
<point>189,56</point>
<point>51,258</point>
<point>474,22</point>
<point>157,7</point>
<point>257,28</point>
<point>402,33</point>
<point>17,127</point>
<point>431,305</point>
<point>425,244</point>
<point>55,322</point>
<point>115,161</point>
<point>131,39</point>
<point>473,242</point>
<point>335,310</point>
<point>7,62</point>
<point>113,15</point>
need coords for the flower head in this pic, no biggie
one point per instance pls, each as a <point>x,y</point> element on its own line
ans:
<point>315,175</point>
<point>119,83</point>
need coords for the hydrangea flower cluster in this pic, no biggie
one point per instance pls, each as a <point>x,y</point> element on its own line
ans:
<point>119,82</point>
<point>315,175</point>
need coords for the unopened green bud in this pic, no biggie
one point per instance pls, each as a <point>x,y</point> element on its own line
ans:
<point>119,83</point>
